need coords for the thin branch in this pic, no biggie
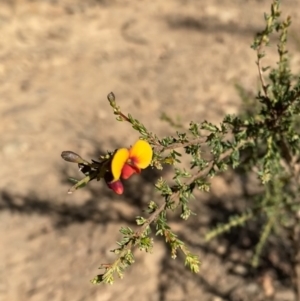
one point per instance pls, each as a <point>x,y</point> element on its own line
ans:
<point>160,148</point>
<point>260,72</point>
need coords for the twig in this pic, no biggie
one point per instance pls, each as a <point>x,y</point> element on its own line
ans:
<point>161,148</point>
<point>260,72</point>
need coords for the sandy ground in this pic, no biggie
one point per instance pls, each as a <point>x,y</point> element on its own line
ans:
<point>58,61</point>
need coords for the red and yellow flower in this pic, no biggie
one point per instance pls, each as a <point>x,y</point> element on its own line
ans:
<point>126,162</point>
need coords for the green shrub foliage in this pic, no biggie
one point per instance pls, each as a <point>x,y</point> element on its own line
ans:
<point>263,140</point>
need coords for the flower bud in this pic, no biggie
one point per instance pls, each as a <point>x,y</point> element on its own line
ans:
<point>71,157</point>
<point>116,186</point>
<point>112,99</point>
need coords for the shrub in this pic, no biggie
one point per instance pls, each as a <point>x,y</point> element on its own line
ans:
<point>264,140</point>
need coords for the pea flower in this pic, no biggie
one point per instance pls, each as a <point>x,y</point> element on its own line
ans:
<point>126,162</point>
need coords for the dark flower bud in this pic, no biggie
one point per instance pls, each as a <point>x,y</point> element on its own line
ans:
<point>72,157</point>
<point>112,99</point>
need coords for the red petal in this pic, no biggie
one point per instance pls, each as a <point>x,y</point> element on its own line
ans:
<point>116,186</point>
<point>128,171</point>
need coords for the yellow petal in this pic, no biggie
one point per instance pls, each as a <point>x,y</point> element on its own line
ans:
<point>118,161</point>
<point>141,154</point>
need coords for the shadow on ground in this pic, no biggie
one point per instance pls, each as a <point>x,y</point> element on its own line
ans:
<point>276,257</point>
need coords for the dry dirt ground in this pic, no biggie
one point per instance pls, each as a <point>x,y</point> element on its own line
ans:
<point>58,61</point>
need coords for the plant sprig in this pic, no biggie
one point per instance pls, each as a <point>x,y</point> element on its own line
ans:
<point>265,141</point>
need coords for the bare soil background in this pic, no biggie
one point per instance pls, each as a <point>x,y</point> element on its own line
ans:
<point>58,61</point>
